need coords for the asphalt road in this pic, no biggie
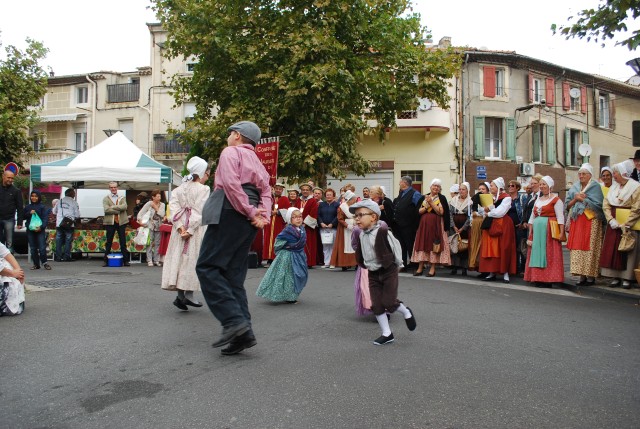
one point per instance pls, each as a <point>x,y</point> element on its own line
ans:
<point>105,348</point>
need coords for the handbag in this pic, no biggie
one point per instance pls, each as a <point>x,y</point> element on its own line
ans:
<point>627,241</point>
<point>463,245</point>
<point>166,227</point>
<point>144,221</point>
<point>453,243</point>
<point>35,223</point>
<point>67,221</point>
<point>142,236</point>
<point>326,235</point>
<point>496,228</point>
<point>437,246</point>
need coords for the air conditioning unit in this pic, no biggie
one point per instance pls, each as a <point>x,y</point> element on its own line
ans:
<point>527,169</point>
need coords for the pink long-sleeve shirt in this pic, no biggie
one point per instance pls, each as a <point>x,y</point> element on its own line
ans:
<point>239,165</point>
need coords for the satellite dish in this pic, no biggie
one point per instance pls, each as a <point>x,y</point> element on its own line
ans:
<point>584,149</point>
<point>574,93</point>
<point>425,104</point>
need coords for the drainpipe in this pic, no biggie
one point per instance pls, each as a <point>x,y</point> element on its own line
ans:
<point>462,122</point>
<point>93,112</point>
<point>555,117</point>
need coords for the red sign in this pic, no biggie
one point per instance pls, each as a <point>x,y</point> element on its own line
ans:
<point>267,151</point>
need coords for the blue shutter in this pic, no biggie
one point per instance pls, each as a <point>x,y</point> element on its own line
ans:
<point>551,144</point>
<point>478,137</point>
<point>511,138</point>
<point>536,143</point>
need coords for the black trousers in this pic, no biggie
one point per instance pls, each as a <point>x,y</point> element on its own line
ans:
<point>122,237</point>
<point>222,267</point>
<point>406,235</point>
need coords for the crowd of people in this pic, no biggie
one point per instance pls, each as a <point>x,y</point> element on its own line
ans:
<point>498,229</point>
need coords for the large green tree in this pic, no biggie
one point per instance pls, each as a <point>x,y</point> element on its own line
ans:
<point>607,22</point>
<point>308,71</point>
<point>23,82</point>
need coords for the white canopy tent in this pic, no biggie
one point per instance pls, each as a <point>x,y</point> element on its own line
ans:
<point>115,159</point>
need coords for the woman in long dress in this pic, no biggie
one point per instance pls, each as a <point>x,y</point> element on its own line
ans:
<point>545,263</point>
<point>185,207</point>
<point>498,244</point>
<point>624,194</point>
<point>460,208</point>
<point>475,234</point>
<point>433,227</point>
<point>287,274</point>
<point>584,203</point>
<point>343,253</point>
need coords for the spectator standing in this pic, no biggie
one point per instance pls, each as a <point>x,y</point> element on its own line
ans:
<point>606,176</point>
<point>37,236</point>
<point>115,220</point>
<point>623,194</point>
<point>497,251</point>
<point>406,218</point>
<point>432,231</point>
<point>328,218</point>
<point>11,209</point>
<point>343,254</point>
<point>516,213</point>
<point>376,193</point>
<point>309,208</point>
<point>584,203</point>
<point>366,193</point>
<point>475,236</point>
<point>545,262</point>
<point>66,207</point>
<point>155,210</point>
<point>636,163</point>
<point>460,209</point>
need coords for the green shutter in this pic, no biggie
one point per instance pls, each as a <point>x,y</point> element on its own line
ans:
<point>551,144</point>
<point>567,146</point>
<point>585,140</point>
<point>536,143</point>
<point>478,136</point>
<point>511,138</point>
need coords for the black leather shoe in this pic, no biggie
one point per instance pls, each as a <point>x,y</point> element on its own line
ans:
<point>180,304</point>
<point>187,301</point>
<point>240,343</point>
<point>126,264</point>
<point>417,274</point>
<point>105,264</point>
<point>411,322</point>
<point>489,278</point>
<point>228,334</point>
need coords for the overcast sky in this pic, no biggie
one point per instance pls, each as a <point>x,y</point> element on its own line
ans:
<point>88,36</point>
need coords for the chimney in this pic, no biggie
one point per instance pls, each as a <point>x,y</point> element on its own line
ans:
<point>445,42</point>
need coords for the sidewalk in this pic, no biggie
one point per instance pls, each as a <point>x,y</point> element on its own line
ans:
<point>602,284</point>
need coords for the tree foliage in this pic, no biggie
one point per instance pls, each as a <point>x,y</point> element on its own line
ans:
<point>604,23</point>
<point>22,83</point>
<point>308,71</point>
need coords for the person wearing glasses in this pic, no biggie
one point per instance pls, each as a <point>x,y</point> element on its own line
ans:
<point>380,253</point>
<point>287,275</point>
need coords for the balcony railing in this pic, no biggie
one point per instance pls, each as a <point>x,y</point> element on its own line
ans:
<point>123,93</point>
<point>165,145</point>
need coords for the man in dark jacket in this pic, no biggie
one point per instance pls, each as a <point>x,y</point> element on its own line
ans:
<point>406,218</point>
<point>636,163</point>
<point>10,204</point>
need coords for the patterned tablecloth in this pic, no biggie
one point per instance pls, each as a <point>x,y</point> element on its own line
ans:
<point>95,240</point>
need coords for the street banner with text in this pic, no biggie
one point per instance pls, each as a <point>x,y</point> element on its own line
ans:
<point>267,151</point>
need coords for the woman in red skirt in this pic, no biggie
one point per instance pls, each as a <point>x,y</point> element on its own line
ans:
<point>498,243</point>
<point>545,264</point>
